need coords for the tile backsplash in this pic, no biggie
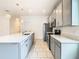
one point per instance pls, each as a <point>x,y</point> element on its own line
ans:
<point>69,29</point>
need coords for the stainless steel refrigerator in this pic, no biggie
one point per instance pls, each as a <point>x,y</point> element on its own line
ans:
<point>46,29</point>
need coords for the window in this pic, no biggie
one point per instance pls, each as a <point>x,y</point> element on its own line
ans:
<point>75,12</point>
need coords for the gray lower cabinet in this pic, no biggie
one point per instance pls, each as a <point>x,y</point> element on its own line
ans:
<point>52,46</point>
<point>64,50</point>
<point>55,48</point>
<point>57,51</point>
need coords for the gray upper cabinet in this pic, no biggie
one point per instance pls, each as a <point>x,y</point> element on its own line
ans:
<point>67,12</point>
<point>59,15</point>
<point>70,12</point>
<point>63,13</point>
<point>52,17</point>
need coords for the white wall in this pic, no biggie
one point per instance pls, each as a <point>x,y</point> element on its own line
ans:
<point>4,25</point>
<point>34,24</point>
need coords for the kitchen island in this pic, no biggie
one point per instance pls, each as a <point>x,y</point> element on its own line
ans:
<point>15,46</point>
<point>64,48</point>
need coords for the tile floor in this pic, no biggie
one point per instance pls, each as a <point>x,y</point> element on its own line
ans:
<point>40,51</point>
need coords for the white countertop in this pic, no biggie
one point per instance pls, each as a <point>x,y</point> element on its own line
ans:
<point>72,35</point>
<point>63,39</point>
<point>13,38</point>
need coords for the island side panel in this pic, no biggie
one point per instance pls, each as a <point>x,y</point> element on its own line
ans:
<point>26,45</point>
<point>69,51</point>
<point>8,51</point>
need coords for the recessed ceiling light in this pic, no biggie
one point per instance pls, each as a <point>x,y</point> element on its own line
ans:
<point>17,19</point>
<point>21,21</point>
<point>57,11</point>
<point>44,11</point>
<point>8,15</point>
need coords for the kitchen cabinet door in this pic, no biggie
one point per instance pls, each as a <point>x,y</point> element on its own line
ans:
<point>29,42</point>
<point>57,52</point>
<point>52,45</point>
<point>67,12</point>
<point>59,21</point>
<point>9,51</point>
<point>24,50</point>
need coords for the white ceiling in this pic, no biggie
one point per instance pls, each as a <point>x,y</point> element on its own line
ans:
<point>27,7</point>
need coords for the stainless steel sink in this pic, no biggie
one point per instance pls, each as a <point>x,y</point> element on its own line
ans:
<point>26,33</point>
